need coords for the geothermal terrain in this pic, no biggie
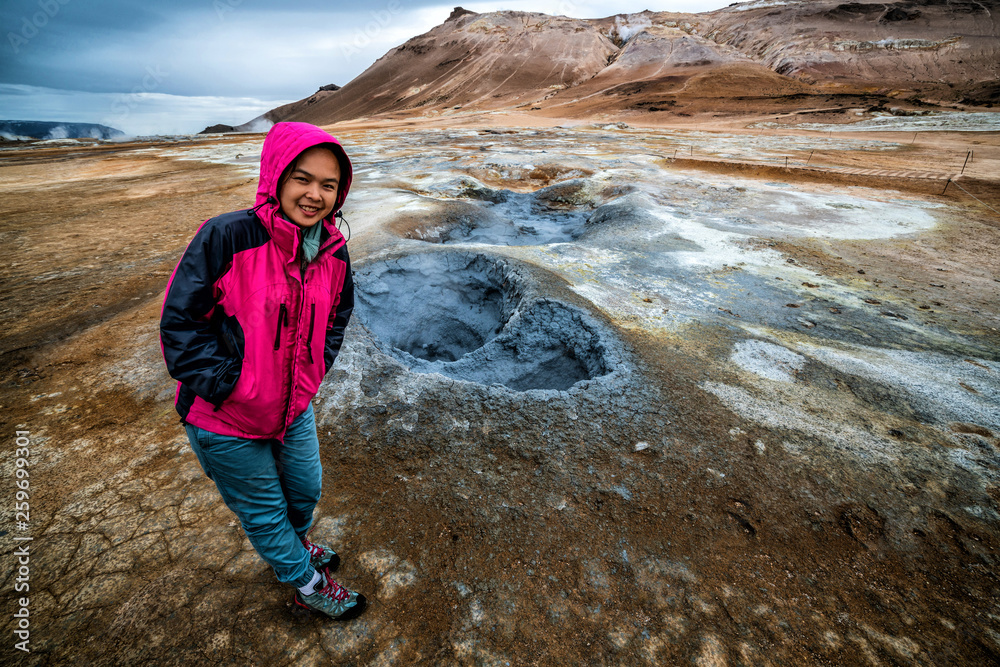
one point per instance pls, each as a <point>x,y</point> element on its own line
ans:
<point>598,405</point>
<point>623,386</point>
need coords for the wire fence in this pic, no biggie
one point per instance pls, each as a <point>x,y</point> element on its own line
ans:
<point>796,163</point>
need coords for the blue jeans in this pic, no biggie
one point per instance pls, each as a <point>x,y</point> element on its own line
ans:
<point>271,486</point>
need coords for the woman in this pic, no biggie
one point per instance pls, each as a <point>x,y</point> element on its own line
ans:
<point>253,318</point>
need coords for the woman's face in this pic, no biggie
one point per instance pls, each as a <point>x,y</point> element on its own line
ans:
<point>310,191</point>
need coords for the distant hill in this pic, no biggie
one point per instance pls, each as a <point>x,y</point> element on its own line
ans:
<point>263,122</point>
<point>771,55</point>
<point>35,129</point>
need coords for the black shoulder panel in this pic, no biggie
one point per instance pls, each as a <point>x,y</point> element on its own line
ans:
<point>191,347</point>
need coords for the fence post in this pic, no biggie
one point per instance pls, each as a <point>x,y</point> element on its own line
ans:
<point>967,156</point>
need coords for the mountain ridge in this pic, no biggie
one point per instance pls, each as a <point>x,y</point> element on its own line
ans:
<point>770,56</point>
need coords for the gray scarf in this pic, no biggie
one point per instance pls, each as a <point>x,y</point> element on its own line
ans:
<point>309,238</point>
<point>310,241</point>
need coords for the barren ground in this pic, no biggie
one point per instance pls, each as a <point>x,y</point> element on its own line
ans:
<point>775,440</point>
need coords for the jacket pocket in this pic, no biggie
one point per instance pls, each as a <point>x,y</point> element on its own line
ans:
<point>282,322</point>
<point>228,373</point>
<point>232,337</point>
<point>312,326</point>
<point>226,376</point>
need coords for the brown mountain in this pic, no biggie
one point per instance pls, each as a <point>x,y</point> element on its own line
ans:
<point>768,55</point>
<point>943,49</point>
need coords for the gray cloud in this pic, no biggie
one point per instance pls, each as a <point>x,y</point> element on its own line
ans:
<point>225,48</point>
<point>210,47</point>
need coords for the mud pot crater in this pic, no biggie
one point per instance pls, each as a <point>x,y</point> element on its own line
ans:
<point>480,318</point>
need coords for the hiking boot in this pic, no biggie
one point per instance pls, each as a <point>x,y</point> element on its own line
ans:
<point>333,600</point>
<point>321,557</point>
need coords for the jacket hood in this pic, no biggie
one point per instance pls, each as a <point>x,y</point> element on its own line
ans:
<point>282,145</point>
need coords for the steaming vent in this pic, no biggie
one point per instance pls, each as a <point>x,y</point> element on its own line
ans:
<point>471,212</point>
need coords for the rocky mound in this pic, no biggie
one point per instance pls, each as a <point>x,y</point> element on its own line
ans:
<point>664,66</point>
<point>472,60</point>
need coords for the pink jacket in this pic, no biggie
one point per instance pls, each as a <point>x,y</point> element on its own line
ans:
<point>246,333</point>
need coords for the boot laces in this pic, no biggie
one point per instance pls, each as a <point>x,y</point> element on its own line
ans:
<point>313,549</point>
<point>334,591</point>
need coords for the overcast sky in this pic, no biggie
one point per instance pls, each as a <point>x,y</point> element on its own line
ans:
<point>178,66</point>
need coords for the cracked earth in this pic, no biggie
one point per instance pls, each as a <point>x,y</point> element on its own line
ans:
<point>599,404</point>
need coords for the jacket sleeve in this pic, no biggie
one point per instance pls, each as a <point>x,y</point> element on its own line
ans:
<point>341,315</point>
<point>192,348</point>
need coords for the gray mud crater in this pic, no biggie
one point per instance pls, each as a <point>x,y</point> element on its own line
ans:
<point>480,318</point>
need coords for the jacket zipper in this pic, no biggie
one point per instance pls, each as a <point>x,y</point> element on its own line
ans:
<point>291,380</point>
<point>291,389</point>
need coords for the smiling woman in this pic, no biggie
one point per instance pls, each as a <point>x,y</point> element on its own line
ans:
<point>254,317</point>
